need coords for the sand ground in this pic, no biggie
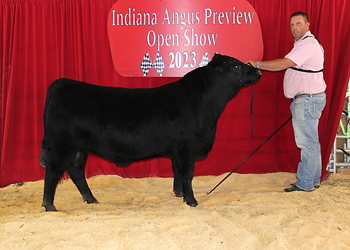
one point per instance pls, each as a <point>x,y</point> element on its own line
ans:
<point>248,211</point>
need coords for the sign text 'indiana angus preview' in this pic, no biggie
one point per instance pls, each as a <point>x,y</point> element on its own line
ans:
<point>171,38</point>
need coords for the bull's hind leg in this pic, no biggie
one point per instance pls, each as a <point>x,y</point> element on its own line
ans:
<point>52,177</point>
<point>177,187</point>
<point>77,174</point>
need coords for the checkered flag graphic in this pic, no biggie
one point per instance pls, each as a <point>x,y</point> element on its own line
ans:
<point>205,60</point>
<point>159,64</point>
<point>146,64</point>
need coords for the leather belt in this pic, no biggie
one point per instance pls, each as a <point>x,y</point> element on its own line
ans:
<point>305,95</point>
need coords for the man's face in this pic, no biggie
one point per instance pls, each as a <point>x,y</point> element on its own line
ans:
<point>299,27</point>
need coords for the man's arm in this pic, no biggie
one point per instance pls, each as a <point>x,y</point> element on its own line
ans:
<point>273,65</point>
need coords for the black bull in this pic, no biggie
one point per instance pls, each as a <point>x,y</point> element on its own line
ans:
<point>177,120</point>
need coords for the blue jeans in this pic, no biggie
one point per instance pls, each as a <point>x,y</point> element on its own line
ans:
<point>306,112</point>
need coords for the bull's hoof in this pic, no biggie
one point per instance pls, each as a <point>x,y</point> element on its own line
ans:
<point>178,194</point>
<point>89,199</point>
<point>192,203</point>
<point>50,208</point>
<point>92,202</point>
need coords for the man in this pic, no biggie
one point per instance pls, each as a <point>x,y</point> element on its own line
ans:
<point>304,84</point>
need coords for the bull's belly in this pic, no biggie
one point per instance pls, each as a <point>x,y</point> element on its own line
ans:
<point>126,158</point>
<point>126,148</point>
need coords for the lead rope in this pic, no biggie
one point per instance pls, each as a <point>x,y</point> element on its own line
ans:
<point>251,108</point>
<point>250,155</point>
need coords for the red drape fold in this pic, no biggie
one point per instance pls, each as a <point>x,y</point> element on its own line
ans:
<point>42,40</point>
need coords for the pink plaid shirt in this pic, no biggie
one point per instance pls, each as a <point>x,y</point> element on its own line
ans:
<point>307,54</point>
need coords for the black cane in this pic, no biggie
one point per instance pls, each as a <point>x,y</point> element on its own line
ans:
<point>249,156</point>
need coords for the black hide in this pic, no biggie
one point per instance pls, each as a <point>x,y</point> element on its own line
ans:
<point>123,125</point>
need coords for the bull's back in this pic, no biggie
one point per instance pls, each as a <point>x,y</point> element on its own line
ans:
<point>120,124</point>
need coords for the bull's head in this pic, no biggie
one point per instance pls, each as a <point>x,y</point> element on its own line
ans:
<point>234,69</point>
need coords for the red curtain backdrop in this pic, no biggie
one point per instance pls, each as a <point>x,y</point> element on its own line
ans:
<point>42,40</point>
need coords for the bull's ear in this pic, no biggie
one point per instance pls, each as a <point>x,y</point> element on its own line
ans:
<point>215,61</point>
<point>219,64</point>
<point>216,56</point>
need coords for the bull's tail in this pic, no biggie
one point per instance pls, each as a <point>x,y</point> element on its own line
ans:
<point>45,145</point>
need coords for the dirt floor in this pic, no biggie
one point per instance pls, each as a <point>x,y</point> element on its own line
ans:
<point>245,212</point>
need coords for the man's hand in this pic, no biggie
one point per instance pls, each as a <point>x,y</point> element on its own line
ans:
<point>253,63</point>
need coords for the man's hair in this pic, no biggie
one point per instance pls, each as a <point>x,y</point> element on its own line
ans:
<point>300,13</point>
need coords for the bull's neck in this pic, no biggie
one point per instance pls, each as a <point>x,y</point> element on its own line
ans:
<point>221,91</point>
<point>214,91</point>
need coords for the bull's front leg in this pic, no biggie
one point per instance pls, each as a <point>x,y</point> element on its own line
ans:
<point>185,163</point>
<point>188,191</point>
